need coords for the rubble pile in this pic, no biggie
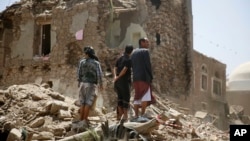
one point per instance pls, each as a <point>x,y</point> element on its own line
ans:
<point>37,112</point>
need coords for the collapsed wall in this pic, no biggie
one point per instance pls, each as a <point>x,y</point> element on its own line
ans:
<point>42,41</point>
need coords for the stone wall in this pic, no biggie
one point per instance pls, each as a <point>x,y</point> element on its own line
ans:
<point>171,59</point>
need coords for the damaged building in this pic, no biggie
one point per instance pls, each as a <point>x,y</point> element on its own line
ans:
<point>209,89</point>
<point>42,41</point>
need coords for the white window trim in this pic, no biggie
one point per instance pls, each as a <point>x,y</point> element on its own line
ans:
<point>220,81</point>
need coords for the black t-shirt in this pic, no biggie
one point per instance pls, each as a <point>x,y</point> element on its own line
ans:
<point>124,61</point>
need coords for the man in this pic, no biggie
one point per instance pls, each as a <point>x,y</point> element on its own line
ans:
<point>142,77</point>
<point>122,80</point>
<point>89,75</point>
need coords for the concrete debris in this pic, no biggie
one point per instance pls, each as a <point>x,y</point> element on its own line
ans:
<point>236,109</point>
<point>35,112</point>
<point>200,114</point>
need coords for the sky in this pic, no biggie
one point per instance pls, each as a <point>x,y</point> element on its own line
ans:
<point>221,30</point>
<point>4,3</point>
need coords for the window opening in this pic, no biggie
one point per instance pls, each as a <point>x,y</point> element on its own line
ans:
<point>156,3</point>
<point>217,75</point>
<point>204,82</point>
<point>158,38</point>
<point>204,69</point>
<point>204,79</point>
<point>216,87</point>
<point>46,39</point>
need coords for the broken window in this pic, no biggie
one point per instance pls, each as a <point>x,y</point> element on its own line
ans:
<point>158,38</point>
<point>46,43</point>
<point>156,3</point>
<point>216,87</point>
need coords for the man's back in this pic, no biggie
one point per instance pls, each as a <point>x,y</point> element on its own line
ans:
<point>141,65</point>
<point>88,70</point>
<point>124,61</point>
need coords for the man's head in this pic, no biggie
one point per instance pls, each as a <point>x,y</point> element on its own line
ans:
<point>89,50</point>
<point>143,42</point>
<point>128,49</point>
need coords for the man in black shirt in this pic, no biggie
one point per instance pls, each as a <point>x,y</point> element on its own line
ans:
<point>122,80</point>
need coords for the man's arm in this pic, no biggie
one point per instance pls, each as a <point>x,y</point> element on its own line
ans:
<point>148,65</point>
<point>123,72</point>
<point>99,75</point>
<point>79,70</point>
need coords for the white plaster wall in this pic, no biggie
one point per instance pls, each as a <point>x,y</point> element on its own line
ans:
<point>116,28</point>
<point>78,21</point>
<point>114,31</point>
<point>133,28</point>
<point>22,48</point>
<point>53,39</point>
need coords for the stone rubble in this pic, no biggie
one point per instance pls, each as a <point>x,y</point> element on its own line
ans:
<point>40,113</point>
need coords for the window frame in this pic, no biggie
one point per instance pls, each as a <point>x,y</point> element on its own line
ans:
<point>204,73</point>
<point>214,79</point>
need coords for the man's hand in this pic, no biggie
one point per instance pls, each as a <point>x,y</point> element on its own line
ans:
<point>115,78</point>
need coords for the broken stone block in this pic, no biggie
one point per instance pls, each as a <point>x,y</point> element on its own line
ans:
<point>54,106</point>
<point>200,114</point>
<point>173,113</point>
<point>43,136</point>
<point>38,96</point>
<point>59,131</point>
<point>14,135</point>
<point>37,122</point>
<point>64,114</point>
<point>57,96</point>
